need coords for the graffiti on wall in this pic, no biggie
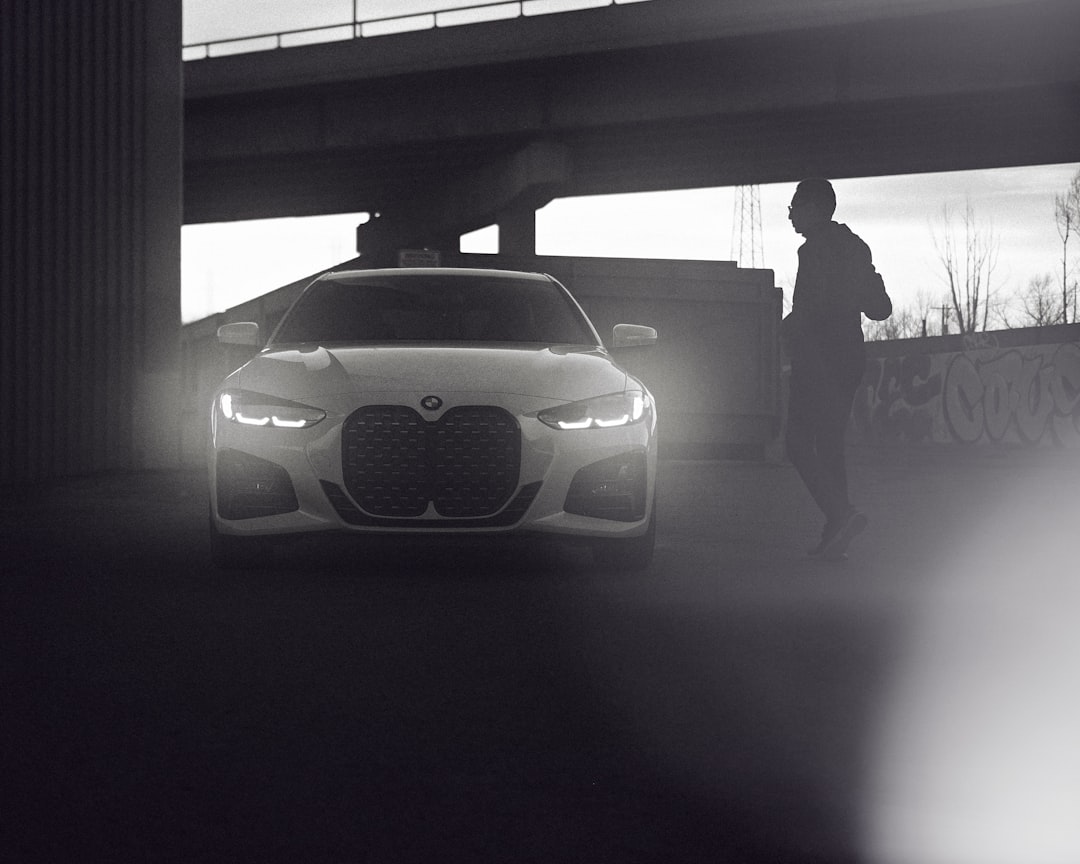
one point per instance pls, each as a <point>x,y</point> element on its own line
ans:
<point>1028,395</point>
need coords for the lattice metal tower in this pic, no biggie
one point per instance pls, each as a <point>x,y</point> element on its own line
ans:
<point>747,240</point>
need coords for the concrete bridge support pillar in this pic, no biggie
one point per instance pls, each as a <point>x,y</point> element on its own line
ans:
<point>517,231</point>
<point>90,210</point>
<point>507,193</point>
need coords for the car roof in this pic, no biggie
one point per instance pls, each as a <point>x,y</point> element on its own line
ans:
<point>474,272</point>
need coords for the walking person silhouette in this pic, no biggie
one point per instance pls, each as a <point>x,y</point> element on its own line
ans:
<point>836,285</point>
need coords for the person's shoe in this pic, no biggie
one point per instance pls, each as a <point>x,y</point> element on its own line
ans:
<point>828,535</point>
<point>835,547</point>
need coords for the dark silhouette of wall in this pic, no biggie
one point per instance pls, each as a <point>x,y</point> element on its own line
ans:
<point>90,214</point>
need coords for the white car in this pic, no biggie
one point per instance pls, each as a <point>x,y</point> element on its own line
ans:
<point>434,401</point>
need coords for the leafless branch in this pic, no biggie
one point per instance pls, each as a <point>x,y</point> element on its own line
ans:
<point>968,252</point>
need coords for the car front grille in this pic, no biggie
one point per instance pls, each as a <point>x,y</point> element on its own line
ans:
<point>505,518</point>
<point>395,462</point>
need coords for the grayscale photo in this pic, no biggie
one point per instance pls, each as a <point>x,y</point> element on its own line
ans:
<point>555,431</point>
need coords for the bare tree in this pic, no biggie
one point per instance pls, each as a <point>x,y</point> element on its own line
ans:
<point>906,322</point>
<point>968,252</point>
<point>1067,217</point>
<point>1038,305</point>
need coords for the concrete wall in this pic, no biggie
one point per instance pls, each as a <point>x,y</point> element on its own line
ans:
<point>90,207</point>
<point>1019,387</point>
<point>715,373</point>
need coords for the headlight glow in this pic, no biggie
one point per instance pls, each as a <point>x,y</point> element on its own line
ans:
<point>602,412</point>
<point>257,409</point>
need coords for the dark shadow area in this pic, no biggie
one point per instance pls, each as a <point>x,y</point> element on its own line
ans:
<point>351,701</point>
<point>374,700</point>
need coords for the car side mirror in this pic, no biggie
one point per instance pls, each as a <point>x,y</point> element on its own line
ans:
<point>632,336</point>
<point>240,333</point>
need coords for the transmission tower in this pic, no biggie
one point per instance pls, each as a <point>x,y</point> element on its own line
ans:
<point>747,241</point>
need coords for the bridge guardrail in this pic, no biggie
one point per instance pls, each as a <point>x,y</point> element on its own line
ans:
<point>427,15</point>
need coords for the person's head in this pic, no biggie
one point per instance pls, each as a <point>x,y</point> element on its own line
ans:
<point>813,204</point>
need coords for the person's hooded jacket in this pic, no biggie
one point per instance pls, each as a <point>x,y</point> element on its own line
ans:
<point>836,285</point>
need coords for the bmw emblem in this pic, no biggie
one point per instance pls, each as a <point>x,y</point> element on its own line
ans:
<point>431,403</point>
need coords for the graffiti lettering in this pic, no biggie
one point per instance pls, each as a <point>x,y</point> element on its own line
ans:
<point>1027,395</point>
<point>894,399</point>
<point>1035,398</point>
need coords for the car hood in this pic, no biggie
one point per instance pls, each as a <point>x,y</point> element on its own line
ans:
<point>552,372</point>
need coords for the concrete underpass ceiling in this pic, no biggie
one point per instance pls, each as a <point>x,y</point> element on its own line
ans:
<point>949,91</point>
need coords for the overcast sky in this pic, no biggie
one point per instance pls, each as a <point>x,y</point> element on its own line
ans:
<point>898,216</point>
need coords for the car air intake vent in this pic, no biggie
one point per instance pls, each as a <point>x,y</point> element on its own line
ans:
<point>394,462</point>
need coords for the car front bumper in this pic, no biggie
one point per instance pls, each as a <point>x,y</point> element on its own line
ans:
<point>589,483</point>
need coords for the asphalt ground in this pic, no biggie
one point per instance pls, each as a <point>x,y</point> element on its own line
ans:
<point>386,702</point>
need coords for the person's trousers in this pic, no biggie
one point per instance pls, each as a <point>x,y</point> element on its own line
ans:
<point>818,412</point>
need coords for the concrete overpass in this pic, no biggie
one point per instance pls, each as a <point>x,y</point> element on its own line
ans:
<point>445,131</point>
<point>441,132</point>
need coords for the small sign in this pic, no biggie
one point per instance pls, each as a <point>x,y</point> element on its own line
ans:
<point>418,258</point>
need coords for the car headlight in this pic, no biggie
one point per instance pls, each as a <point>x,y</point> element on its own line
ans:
<point>258,409</point>
<point>602,412</point>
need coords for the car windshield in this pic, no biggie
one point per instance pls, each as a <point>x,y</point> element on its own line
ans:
<point>435,308</point>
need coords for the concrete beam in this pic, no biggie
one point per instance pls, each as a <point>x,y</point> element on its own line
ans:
<point>588,31</point>
<point>1020,46</point>
<point>954,86</point>
<point>518,184</point>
